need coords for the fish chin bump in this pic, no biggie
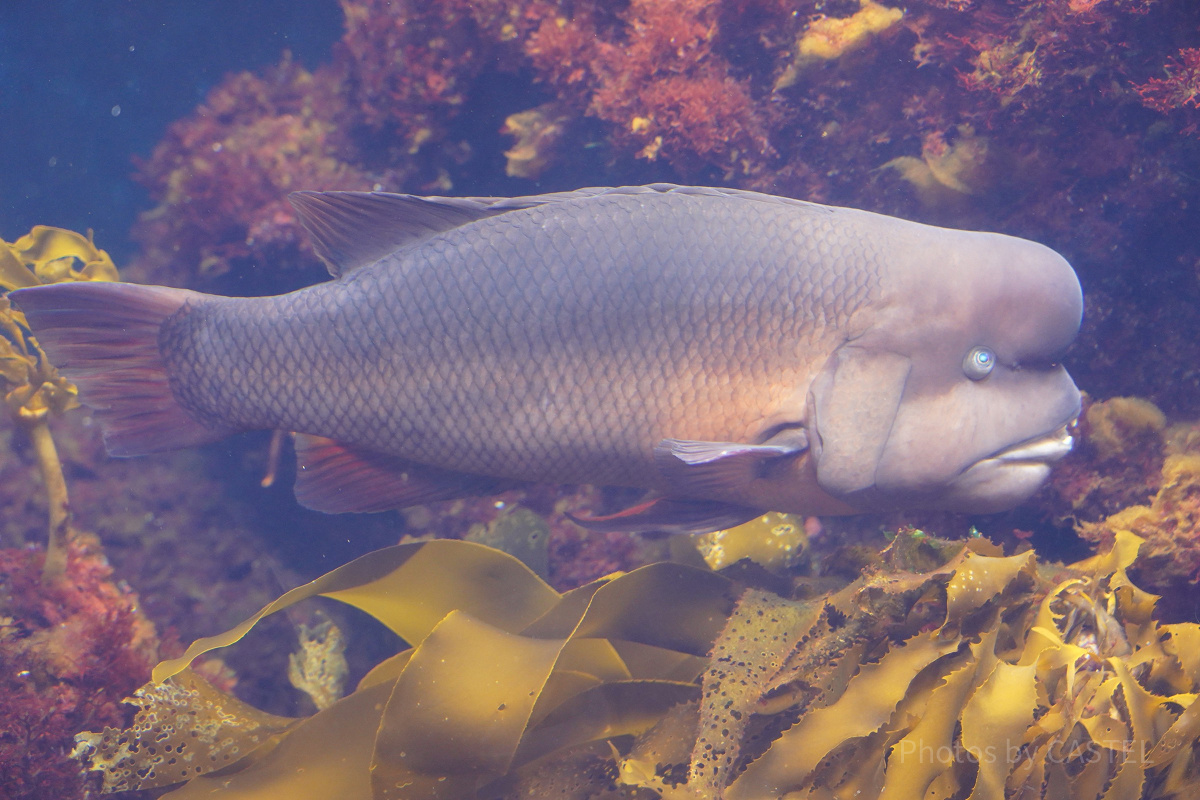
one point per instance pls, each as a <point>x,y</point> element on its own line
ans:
<point>992,485</point>
<point>1009,477</point>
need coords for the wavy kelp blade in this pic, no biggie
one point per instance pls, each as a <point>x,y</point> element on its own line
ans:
<point>657,663</point>
<point>918,759</point>
<point>603,712</point>
<point>979,579</point>
<point>386,671</point>
<point>867,703</point>
<point>762,630</point>
<point>325,756</point>
<point>666,605</point>
<point>458,711</point>
<point>994,722</point>
<point>13,272</point>
<point>470,693</point>
<point>410,588</point>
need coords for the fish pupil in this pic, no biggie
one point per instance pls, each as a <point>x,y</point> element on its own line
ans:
<point>979,363</point>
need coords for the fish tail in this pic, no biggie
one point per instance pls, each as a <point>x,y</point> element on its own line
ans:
<point>103,337</point>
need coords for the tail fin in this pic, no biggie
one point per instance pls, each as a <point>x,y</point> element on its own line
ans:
<point>103,337</point>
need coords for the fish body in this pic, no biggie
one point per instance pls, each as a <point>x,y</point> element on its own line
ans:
<point>739,350</point>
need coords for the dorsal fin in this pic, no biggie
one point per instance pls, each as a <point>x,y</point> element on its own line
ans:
<point>354,229</point>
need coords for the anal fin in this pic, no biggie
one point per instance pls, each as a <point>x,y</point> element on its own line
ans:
<point>337,478</point>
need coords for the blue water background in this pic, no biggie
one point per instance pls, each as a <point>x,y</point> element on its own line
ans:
<point>85,85</point>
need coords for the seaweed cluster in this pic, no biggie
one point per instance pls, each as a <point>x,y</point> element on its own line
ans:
<point>1133,473</point>
<point>70,651</point>
<point>1179,90</point>
<point>33,389</point>
<point>946,669</point>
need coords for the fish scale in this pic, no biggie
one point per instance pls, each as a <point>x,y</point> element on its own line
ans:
<point>465,306</point>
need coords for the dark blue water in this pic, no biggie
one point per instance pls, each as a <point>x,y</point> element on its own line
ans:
<point>87,84</point>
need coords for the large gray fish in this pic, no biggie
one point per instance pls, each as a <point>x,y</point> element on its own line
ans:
<point>730,351</point>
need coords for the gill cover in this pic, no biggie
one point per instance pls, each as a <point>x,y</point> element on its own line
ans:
<point>854,402</point>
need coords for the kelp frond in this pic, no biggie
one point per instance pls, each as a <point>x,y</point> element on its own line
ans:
<point>981,675</point>
<point>33,389</point>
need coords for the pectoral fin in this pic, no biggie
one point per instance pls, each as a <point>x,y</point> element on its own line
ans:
<point>337,478</point>
<point>699,468</point>
<point>855,401</point>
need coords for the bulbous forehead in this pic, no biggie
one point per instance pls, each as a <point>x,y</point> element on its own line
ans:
<point>949,289</point>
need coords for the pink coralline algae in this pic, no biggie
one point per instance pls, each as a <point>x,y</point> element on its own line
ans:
<point>221,177</point>
<point>1179,90</point>
<point>69,654</point>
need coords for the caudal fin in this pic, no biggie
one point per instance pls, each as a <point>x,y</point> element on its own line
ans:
<point>103,337</point>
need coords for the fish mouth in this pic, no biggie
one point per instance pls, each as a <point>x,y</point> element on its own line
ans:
<point>1008,477</point>
<point>1045,449</point>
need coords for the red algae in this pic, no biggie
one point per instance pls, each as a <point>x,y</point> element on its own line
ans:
<point>221,176</point>
<point>69,653</point>
<point>1179,90</point>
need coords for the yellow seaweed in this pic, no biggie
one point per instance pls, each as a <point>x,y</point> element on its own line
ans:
<point>503,670</point>
<point>773,541</point>
<point>946,670</point>
<point>33,389</point>
<point>946,174</point>
<point>183,728</point>
<point>1116,424</point>
<point>830,38</point>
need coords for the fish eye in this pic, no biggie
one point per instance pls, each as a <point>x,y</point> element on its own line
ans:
<point>979,363</point>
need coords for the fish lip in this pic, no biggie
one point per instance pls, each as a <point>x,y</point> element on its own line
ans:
<point>1044,449</point>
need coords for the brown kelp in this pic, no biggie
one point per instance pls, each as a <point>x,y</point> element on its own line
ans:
<point>947,669</point>
<point>33,389</point>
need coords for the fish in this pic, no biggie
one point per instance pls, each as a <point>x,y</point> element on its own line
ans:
<point>726,351</point>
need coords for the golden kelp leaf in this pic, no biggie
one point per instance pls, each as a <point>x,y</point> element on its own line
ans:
<point>760,633</point>
<point>410,588</point>
<point>646,661</point>
<point>327,755</point>
<point>13,272</point>
<point>868,701</point>
<point>54,252</point>
<point>1062,695</point>
<point>620,708</point>
<point>183,728</point>
<point>1183,733</point>
<point>994,721</point>
<point>917,760</point>
<point>979,579</point>
<point>665,605</point>
<point>773,540</point>
<point>385,671</point>
<point>458,711</point>
<point>658,760</point>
